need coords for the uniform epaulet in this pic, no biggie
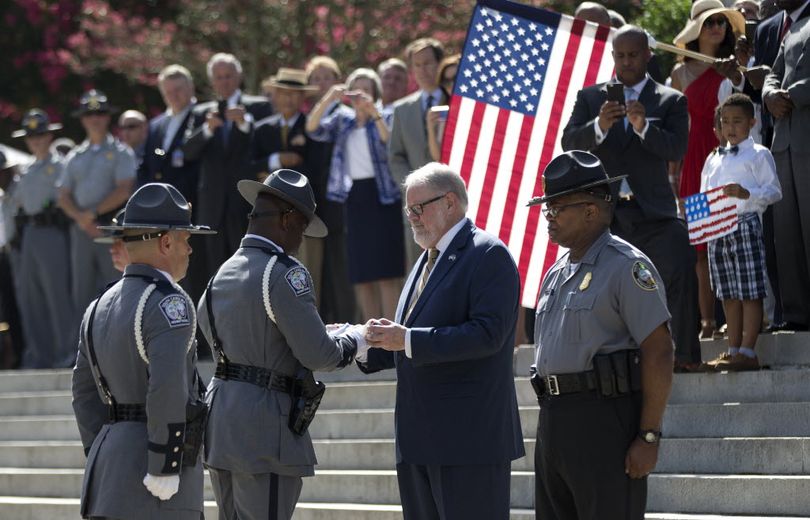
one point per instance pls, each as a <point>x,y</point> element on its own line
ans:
<point>624,247</point>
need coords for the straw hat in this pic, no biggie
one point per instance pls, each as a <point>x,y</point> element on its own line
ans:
<point>703,9</point>
<point>292,79</point>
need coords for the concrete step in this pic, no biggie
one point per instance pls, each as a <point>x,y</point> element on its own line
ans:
<point>39,428</point>
<point>771,495</point>
<point>34,380</point>
<point>42,454</point>
<point>778,349</point>
<point>788,384</point>
<point>737,420</point>
<point>49,402</point>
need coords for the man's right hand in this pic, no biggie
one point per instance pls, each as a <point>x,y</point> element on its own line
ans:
<point>290,159</point>
<point>610,112</point>
<point>213,121</point>
<point>778,103</point>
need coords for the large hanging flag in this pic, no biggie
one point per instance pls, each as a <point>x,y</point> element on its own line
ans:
<point>520,72</point>
<point>710,215</point>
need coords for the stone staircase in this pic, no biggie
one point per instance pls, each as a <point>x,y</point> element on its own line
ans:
<point>735,446</point>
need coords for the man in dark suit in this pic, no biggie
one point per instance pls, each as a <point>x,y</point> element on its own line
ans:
<point>220,140</point>
<point>457,424</point>
<point>164,159</point>
<point>638,141</point>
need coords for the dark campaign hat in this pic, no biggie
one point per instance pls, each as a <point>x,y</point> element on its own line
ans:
<point>293,187</point>
<point>110,236</point>
<point>157,206</point>
<point>36,122</point>
<point>93,101</point>
<point>571,172</point>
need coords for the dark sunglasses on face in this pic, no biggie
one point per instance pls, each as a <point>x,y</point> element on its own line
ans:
<point>718,22</point>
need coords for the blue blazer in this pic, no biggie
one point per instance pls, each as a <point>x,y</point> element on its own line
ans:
<point>456,402</point>
<point>157,164</point>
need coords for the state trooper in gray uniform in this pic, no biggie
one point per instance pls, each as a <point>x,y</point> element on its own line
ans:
<point>603,366</point>
<point>97,181</point>
<point>43,279</point>
<point>268,337</point>
<point>136,392</point>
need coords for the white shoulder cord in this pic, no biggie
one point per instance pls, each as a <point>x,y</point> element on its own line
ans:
<point>139,322</point>
<point>193,313</point>
<point>266,287</point>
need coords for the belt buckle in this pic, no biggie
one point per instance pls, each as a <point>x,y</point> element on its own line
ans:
<point>552,385</point>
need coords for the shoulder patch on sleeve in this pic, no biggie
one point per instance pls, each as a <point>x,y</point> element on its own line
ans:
<point>175,309</point>
<point>643,276</point>
<point>298,280</point>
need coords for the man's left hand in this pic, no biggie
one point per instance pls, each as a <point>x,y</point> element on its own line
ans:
<point>636,115</point>
<point>236,114</point>
<point>385,334</point>
<point>640,459</point>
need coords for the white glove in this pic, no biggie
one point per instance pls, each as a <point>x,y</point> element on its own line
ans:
<point>163,487</point>
<point>335,329</point>
<point>358,332</point>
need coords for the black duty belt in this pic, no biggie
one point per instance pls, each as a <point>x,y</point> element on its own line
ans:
<point>550,386</point>
<point>123,412</point>
<point>254,375</point>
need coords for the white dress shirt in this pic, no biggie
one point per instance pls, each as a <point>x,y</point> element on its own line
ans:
<point>175,120</point>
<point>752,167</point>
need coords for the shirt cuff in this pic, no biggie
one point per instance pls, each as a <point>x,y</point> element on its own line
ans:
<point>643,130</point>
<point>244,127</point>
<point>408,343</point>
<point>738,86</point>
<point>207,131</point>
<point>600,136</point>
<point>274,162</point>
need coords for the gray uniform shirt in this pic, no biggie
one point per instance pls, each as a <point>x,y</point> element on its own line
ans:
<point>37,187</point>
<point>265,316</point>
<point>92,171</point>
<point>611,301</point>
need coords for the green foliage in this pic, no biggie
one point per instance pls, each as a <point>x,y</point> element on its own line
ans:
<point>664,19</point>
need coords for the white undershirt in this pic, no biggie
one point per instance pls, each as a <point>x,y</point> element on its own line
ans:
<point>358,156</point>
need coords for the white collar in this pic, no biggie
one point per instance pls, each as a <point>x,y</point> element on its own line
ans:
<point>448,237</point>
<point>291,121</point>
<point>436,94</point>
<point>233,99</point>
<point>182,113</point>
<point>165,274</point>
<point>638,87</point>
<point>794,15</point>
<point>264,239</point>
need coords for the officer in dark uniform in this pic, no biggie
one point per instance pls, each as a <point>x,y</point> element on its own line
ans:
<point>136,391</point>
<point>260,318</point>
<point>43,279</point>
<point>603,366</point>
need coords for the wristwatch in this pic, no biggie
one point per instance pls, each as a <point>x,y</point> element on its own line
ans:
<point>649,436</point>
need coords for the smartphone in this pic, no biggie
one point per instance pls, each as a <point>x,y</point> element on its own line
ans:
<point>442,110</point>
<point>751,30</point>
<point>615,92</point>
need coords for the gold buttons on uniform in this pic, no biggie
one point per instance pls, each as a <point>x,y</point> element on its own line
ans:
<point>178,433</point>
<point>176,449</point>
<point>174,464</point>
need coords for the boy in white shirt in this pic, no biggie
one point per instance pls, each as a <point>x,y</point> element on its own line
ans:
<point>737,260</point>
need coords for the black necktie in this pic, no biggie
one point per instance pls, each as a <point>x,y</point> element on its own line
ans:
<point>731,149</point>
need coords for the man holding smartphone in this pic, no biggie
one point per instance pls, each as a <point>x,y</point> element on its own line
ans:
<point>635,127</point>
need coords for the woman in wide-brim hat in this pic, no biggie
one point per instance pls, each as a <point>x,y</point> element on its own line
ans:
<point>713,30</point>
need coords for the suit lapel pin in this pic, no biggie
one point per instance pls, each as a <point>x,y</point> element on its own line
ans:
<point>452,257</point>
<point>586,281</point>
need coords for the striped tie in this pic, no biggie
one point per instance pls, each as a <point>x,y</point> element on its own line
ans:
<point>433,254</point>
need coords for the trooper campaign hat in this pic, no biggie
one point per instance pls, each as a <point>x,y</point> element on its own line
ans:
<point>36,122</point>
<point>93,102</point>
<point>292,187</point>
<point>159,207</point>
<point>110,236</point>
<point>5,162</point>
<point>571,172</point>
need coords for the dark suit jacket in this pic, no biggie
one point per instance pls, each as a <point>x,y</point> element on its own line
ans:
<point>624,152</point>
<point>221,167</point>
<point>456,401</point>
<point>157,163</point>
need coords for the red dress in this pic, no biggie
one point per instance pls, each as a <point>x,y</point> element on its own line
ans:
<point>701,98</point>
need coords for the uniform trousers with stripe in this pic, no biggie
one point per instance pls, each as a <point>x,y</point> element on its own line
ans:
<point>254,496</point>
<point>582,441</point>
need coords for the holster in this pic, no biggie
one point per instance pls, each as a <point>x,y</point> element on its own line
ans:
<point>305,399</point>
<point>196,421</point>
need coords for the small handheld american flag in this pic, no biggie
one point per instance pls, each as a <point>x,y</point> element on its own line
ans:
<point>710,215</point>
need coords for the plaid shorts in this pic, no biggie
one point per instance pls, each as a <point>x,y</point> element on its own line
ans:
<point>737,261</point>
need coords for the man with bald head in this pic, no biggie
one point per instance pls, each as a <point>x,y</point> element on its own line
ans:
<point>593,12</point>
<point>638,138</point>
<point>132,127</point>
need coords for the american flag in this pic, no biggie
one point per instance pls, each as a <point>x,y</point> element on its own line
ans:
<point>515,89</point>
<point>710,215</point>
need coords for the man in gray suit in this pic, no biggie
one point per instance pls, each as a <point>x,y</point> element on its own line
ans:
<point>407,146</point>
<point>787,96</point>
<point>135,374</point>
<point>259,315</point>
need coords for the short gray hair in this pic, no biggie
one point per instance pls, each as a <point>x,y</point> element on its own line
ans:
<point>222,57</point>
<point>175,71</point>
<point>369,74</point>
<point>392,63</point>
<point>440,177</point>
